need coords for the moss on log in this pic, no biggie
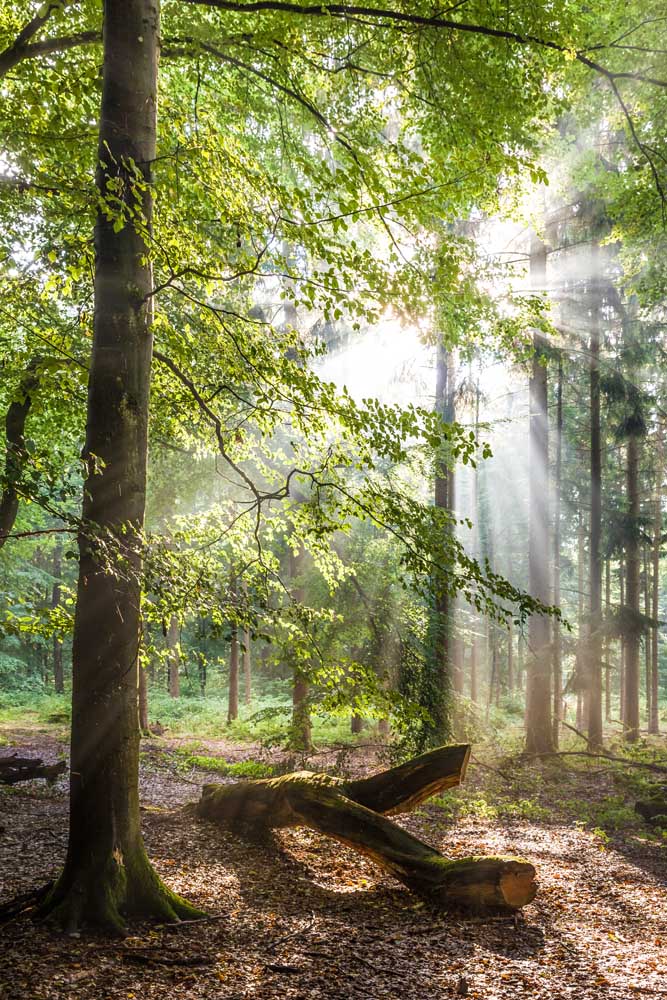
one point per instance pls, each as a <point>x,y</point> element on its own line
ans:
<point>354,813</point>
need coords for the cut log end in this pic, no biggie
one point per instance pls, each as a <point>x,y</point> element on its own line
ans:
<point>485,883</point>
<point>518,886</point>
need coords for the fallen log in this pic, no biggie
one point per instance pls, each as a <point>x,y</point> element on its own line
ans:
<point>14,769</point>
<point>354,813</point>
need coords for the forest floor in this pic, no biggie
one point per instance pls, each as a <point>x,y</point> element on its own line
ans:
<point>303,917</point>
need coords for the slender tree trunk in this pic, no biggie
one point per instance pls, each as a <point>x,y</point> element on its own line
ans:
<point>521,660</point>
<point>247,672</point>
<point>510,659</point>
<point>621,674</point>
<point>58,675</point>
<point>441,644</point>
<point>581,656</point>
<point>107,875</point>
<point>607,647</point>
<point>654,720</point>
<point>202,673</point>
<point>594,658</point>
<point>556,653</point>
<point>233,698</point>
<point>647,637</point>
<point>143,700</point>
<point>539,729</point>
<point>474,647</point>
<point>474,681</point>
<point>15,453</point>
<point>173,657</point>
<point>631,720</point>
<point>301,730</point>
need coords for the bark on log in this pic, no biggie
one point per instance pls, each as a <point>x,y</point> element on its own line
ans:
<point>354,813</point>
<point>14,769</point>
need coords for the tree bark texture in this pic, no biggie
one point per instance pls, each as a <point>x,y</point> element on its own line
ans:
<point>354,813</point>
<point>107,875</point>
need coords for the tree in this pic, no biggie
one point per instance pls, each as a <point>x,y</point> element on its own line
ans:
<point>107,875</point>
<point>539,730</point>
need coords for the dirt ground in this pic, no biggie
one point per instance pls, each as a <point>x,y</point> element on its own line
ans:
<point>302,917</point>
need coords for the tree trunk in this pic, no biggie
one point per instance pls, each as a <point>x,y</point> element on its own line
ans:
<point>654,720</point>
<point>356,724</point>
<point>631,719</point>
<point>58,676</point>
<point>300,737</point>
<point>539,729</point>
<point>474,683</point>
<point>247,674</point>
<point>607,646</point>
<point>107,875</point>
<point>143,700</point>
<point>621,674</point>
<point>353,813</point>
<point>440,641</point>
<point>233,697</point>
<point>173,658</point>
<point>647,637</point>
<point>15,454</point>
<point>556,653</point>
<point>201,673</point>
<point>594,666</point>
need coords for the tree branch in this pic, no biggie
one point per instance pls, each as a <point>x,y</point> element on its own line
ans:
<point>23,48</point>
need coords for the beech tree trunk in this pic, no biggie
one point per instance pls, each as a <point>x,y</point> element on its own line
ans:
<point>594,665</point>
<point>654,719</point>
<point>632,641</point>
<point>173,658</point>
<point>15,454</point>
<point>143,701</point>
<point>300,737</point>
<point>557,672</point>
<point>440,654</point>
<point>107,875</point>
<point>647,638</point>
<point>233,695</point>
<point>354,813</point>
<point>247,671</point>
<point>621,675</point>
<point>58,675</point>
<point>607,649</point>
<point>539,729</point>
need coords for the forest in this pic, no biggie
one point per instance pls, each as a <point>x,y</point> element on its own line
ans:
<point>333,451</point>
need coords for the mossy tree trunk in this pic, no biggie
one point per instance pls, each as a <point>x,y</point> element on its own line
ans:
<point>107,875</point>
<point>354,813</point>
